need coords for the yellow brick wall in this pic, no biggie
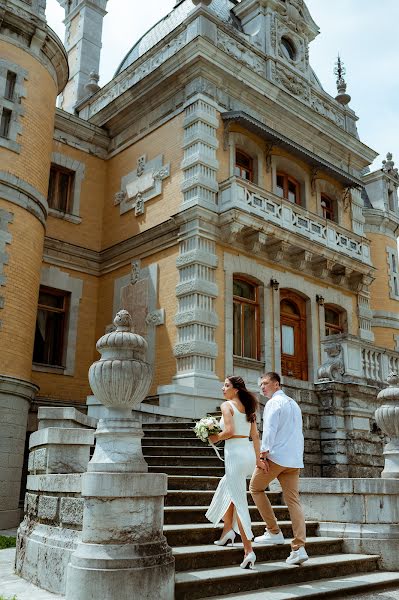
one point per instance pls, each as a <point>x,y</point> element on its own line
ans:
<point>166,140</point>
<point>380,289</point>
<point>92,199</point>
<point>33,162</point>
<point>20,293</point>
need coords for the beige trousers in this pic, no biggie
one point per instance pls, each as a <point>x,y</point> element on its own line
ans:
<point>289,481</point>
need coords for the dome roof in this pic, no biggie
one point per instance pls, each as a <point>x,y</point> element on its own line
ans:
<point>177,16</point>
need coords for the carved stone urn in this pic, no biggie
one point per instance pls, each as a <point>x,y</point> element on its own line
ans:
<point>387,418</point>
<point>120,381</point>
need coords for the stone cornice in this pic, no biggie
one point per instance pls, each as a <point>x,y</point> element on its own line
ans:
<point>30,32</point>
<point>19,192</point>
<point>80,134</point>
<point>381,221</point>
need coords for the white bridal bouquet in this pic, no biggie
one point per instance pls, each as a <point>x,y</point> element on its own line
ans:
<point>206,427</point>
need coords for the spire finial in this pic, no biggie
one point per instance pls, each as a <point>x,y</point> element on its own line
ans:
<point>340,72</point>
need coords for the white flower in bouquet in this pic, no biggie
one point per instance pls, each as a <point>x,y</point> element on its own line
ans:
<point>206,427</point>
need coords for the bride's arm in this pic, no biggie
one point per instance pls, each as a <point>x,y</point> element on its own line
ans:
<point>228,430</point>
<point>254,433</point>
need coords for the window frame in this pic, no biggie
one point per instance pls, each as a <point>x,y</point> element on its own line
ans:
<point>336,329</point>
<point>286,180</point>
<point>5,123</point>
<point>240,168</point>
<point>64,311</point>
<point>60,170</point>
<point>330,209</point>
<point>11,83</point>
<point>239,300</point>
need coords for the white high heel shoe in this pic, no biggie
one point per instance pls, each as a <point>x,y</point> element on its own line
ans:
<point>249,561</point>
<point>228,537</point>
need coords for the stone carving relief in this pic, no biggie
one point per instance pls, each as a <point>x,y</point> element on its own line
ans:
<point>323,108</point>
<point>288,80</point>
<point>133,77</point>
<point>142,184</point>
<point>388,167</point>
<point>333,368</point>
<point>242,54</point>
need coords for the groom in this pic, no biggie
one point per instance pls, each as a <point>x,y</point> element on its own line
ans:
<point>282,457</point>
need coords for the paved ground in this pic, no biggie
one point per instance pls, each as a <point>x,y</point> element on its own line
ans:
<point>11,584</point>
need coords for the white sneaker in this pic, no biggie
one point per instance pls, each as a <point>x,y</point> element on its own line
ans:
<point>297,557</point>
<point>270,538</point>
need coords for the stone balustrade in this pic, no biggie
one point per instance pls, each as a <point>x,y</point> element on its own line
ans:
<point>349,358</point>
<point>237,193</point>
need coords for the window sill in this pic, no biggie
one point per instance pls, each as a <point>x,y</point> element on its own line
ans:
<point>58,214</point>
<point>248,363</point>
<point>49,369</point>
<point>10,144</point>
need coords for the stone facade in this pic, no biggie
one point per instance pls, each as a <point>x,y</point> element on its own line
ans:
<point>156,192</point>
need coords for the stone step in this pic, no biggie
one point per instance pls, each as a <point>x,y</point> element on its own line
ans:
<point>201,533</point>
<point>341,587</point>
<point>201,557</point>
<point>204,498</point>
<point>157,450</point>
<point>193,482</point>
<point>185,461</point>
<point>219,581</point>
<point>169,425</point>
<point>170,433</point>
<point>173,441</point>
<point>176,470</point>
<point>176,515</point>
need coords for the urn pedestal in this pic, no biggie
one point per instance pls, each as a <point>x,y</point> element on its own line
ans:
<point>387,418</point>
<point>123,549</point>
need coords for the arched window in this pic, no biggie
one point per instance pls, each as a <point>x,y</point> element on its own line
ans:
<point>287,48</point>
<point>294,361</point>
<point>244,166</point>
<point>327,205</point>
<point>334,320</point>
<point>287,187</point>
<point>246,323</point>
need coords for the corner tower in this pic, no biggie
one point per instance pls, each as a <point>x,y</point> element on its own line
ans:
<point>83,34</point>
<point>33,71</point>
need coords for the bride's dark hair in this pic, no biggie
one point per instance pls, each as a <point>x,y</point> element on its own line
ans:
<point>248,399</point>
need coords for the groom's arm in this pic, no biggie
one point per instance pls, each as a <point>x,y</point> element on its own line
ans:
<point>270,425</point>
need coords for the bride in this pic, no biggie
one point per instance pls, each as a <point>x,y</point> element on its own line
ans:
<point>230,503</point>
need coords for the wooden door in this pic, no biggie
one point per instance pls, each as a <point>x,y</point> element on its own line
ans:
<point>294,358</point>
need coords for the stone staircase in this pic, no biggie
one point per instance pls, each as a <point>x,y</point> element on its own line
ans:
<point>204,570</point>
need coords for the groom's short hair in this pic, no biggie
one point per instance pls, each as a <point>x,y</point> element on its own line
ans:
<point>272,376</point>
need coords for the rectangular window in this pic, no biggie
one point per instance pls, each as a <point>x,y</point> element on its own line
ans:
<point>5,123</point>
<point>246,334</point>
<point>50,327</point>
<point>10,85</point>
<point>60,188</point>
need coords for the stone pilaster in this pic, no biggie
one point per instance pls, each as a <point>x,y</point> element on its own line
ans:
<point>199,164</point>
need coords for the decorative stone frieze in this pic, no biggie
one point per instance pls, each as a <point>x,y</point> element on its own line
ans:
<point>241,53</point>
<point>199,166</point>
<point>141,185</point>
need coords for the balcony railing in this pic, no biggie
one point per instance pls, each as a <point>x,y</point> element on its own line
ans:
<point>348,357</point>
<point>237,193</point>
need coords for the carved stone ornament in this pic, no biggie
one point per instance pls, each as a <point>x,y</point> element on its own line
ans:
<point>119,197</point>
<point>135,272</point>
<point>155,318</point>
<point>141,165</point>
<point>122,377</point>
<point>333,368</point>
<point>142,185</point>
<point>240,53</point>
<point>387,418</point>
<point>388,167</point>
<point>290,82</point>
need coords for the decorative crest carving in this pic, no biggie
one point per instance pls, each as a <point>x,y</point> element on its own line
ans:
<point>333,368</point>
<point>388,167</point>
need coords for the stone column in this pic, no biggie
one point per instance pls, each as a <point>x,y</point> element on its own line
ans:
<point>123,549</point>
<point>387,418</point>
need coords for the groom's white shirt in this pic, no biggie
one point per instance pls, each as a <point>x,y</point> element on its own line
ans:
<point>282,431</point>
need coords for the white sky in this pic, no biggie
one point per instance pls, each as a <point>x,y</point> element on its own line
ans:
<point>364,32</point>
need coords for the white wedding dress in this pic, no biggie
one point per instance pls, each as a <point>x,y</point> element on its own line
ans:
<point>239,461</point>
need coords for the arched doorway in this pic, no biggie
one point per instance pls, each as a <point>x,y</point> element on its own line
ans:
<point>294,355</point>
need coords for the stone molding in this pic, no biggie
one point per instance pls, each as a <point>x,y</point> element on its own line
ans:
<point>5,238</point>
<point>60,280</point>
<point>383,318</point>
<point>26,28</point>
<point>18,387</point>
<point>393,259</point>
<point>78,169</point>
<point>77,133</point>
<point>23,194</point>
<point>14,104</point>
